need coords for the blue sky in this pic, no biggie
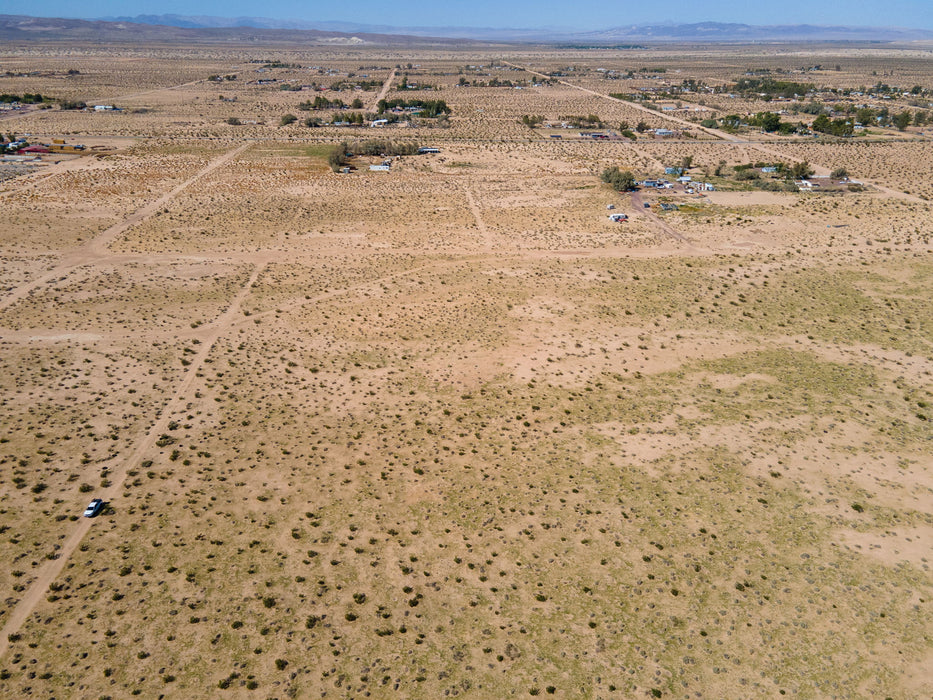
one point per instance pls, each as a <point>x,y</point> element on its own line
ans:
<point>576,14</point>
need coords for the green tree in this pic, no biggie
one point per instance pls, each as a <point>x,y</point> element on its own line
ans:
<point>641,127</point>
<point>839,173</point>
<point>337,157</point>
<point>822,124</point>
<point>801,170</point>
<point>902,120</point>
<point>768,121</point>
<point>865,116</point>
<point>287,119</point>
<point>621,180</point>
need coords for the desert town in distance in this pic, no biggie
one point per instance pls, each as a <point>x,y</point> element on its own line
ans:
<point>442,369</point>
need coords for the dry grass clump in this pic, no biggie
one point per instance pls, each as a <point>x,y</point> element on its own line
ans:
<point>171,297</point>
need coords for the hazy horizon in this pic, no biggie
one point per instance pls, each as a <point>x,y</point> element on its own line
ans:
<point>580,16</point>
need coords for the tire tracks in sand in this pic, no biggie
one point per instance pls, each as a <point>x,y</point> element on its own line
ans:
<point>97,250</point>
<point>48,572</point>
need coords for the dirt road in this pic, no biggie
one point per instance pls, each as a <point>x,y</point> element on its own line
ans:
<point>51,569</point>
<point>386,86</point>
<point>732,138</point>
<point>639,209</point>
<point>97,248</point>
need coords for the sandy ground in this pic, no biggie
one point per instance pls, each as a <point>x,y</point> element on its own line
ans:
<point>448,430</point>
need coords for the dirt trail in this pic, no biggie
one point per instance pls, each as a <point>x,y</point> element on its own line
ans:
<point>480,224</point>
<point>386,86</point>
<point>682,122</point>
<point>638,208</point>
<point>96,249</point>
<point>151,92</point>
<point>51,569</point>
<point>100,243</point>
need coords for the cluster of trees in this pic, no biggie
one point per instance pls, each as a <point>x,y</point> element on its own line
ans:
<point>863,115</point>
<point>796,171</point>
<point>833,127</point>
<point>321,102</point>
<point>339,156</point>
<point>786,174</point>
<point>884,88</point>
<point>369,85</point>
<point>357,118</point>
<point>405,85</point>
<point>769,88</point>
<point>429,108</point>
<point>495,82</point>
<point>220,78</point>
<point>382,147</point>
<point>771,123</point>
<point>590,121</point>
<point>621,180</point>
<point>532,120</point>
<point>28,98</point>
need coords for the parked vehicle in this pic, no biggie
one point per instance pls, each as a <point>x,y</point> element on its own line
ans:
<point>94,508</point>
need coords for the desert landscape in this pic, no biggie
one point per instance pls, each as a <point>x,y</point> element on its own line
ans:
<point>382,403</point>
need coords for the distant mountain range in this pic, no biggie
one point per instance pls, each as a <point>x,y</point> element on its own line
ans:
<point>19,28</point>
<point>701,31</point>
<point>181,28</point>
